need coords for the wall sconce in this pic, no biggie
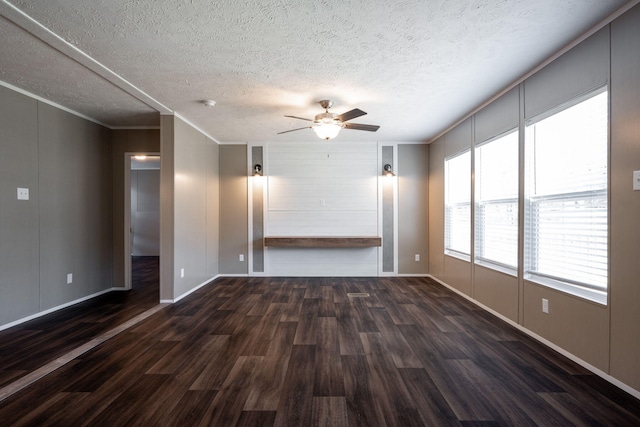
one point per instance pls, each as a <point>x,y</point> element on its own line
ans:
<point>257,170</point>
<point>387,170</point>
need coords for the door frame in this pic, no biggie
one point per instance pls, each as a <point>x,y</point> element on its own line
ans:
<point>127,212</point>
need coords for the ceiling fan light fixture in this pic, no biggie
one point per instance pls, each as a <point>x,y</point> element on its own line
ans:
<point>327,125</point>
<point>327,131</point>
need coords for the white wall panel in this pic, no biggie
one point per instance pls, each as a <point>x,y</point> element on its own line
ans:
<point>336,193</point>
<point>322,189</point>
<point>323,262</point>
<point>301,223</point>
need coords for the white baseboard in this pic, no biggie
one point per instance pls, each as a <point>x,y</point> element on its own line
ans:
<point>59,307</point>
<point>190,291</point>
<point>635,393</point>
<point>414,275</point>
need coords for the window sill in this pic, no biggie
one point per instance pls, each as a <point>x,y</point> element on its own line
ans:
<point>501,268</point>
<point>459,255</point>
<point>598,297</point>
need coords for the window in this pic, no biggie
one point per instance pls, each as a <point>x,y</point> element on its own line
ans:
<point>566,201</point>
<point>496,215</point>
<point>457,218</point>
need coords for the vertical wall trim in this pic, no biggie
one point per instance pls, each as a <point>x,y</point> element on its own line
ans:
<point>127,221</point>
<point>38,213</point>
<point>472,226</point>
<point>609,198</point>
<point>167,202</point>
<point>394,185</point>
<point>388,220</point>
<point>257,212</point>
<point>521,224</point>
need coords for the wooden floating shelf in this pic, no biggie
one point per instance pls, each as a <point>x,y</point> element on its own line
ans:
<point>323,242</point>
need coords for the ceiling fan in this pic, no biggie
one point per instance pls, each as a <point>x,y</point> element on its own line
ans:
<point>327,125</point>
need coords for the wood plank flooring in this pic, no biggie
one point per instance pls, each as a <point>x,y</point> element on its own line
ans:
<point>302,352</point>
<point>33,344</point>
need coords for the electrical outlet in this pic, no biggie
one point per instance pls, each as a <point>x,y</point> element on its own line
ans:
<point>417,257</point>
<point>545,305</point>
<point>241,258</point>
<point>69,278</point>
<point>636,180</point>
<point>181,272</point>
<point>23,194</point>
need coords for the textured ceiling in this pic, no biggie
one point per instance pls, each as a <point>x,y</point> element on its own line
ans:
<point>416,66</point>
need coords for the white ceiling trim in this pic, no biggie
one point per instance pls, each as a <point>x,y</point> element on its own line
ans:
<point>53,104</point>
<point>197,128</point>
<point>133,127</point>
<point>26,22</point>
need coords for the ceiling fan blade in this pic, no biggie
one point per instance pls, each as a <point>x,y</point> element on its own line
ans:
<point>356,112</point>
<point>358,126</point>
<point>292,130</point>
<point>300,118</point>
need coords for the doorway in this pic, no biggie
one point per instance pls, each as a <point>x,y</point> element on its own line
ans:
<point>142,217</point>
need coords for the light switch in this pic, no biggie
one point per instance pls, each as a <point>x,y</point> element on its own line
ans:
<point>23,194</point>
<point>636,180</point>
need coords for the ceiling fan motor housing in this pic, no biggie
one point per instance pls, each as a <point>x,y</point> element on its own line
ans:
<point>327,118</point>
<point>326,104</point>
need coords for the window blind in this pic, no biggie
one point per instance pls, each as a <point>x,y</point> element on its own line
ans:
<point>566,236</point>
<point>496,215</point>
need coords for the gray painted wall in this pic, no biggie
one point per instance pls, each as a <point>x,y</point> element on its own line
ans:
<point>66,225</point>
<point>189,201</point>
<point>213,209</point>
<point>413,219</point>
<point>625,203</point>
<point>436,207</point>
<point>75,206</point>
<point>194,226</point>
<point>167,202</point>
<point>19,224</point>
<point>234,234</point>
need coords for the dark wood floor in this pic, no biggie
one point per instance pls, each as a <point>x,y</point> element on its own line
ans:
<point>33,344</point>
<point>269,351</point>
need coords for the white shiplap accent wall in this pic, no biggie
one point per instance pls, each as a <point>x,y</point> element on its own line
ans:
<point>322,189</point>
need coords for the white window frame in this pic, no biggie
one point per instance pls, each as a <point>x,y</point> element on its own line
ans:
<point>449,249</point>
<point>580,288</point>
<point>479,257</point>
